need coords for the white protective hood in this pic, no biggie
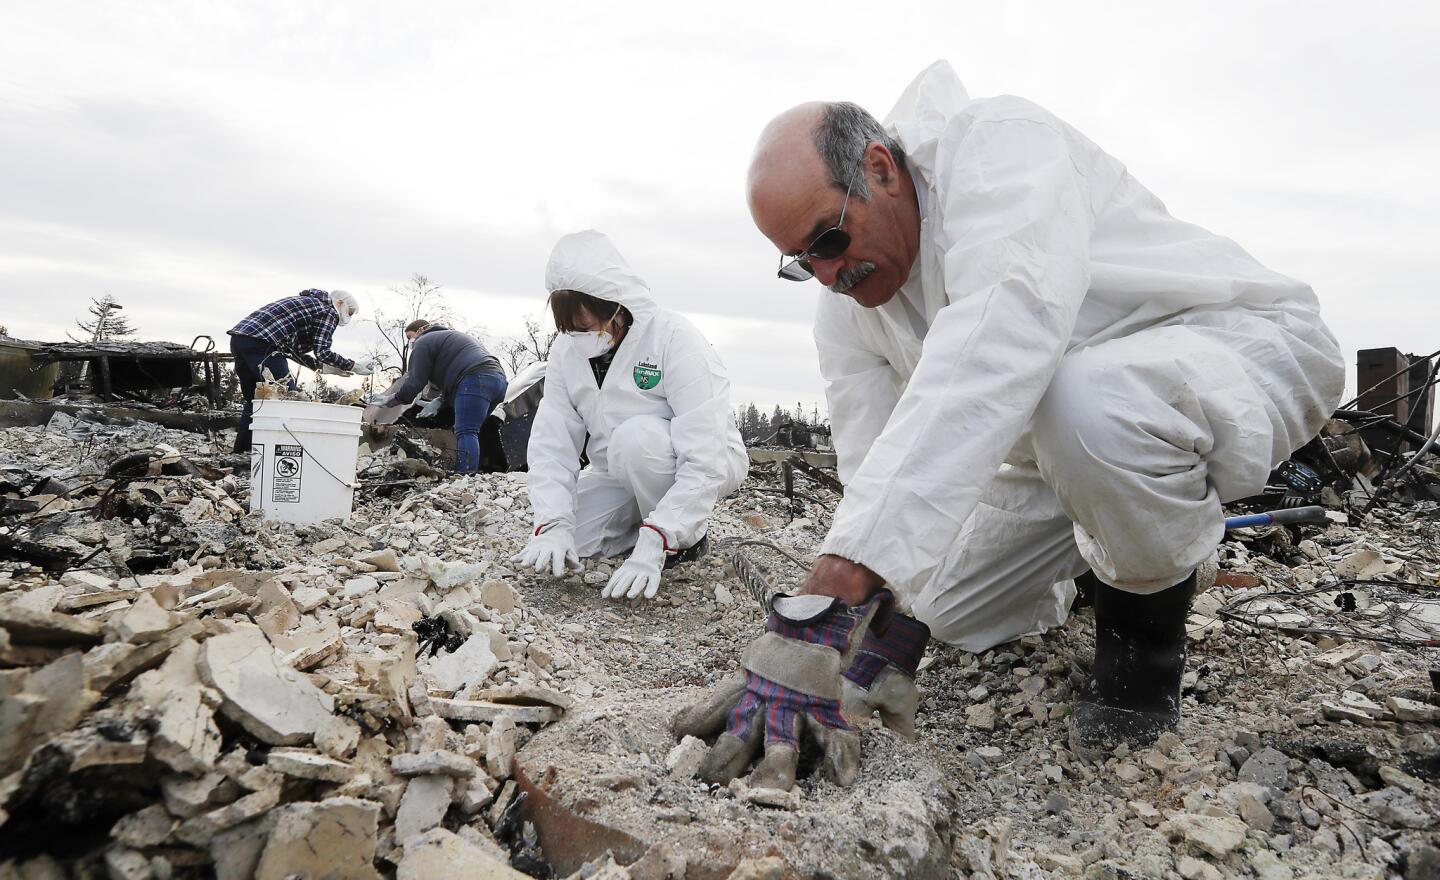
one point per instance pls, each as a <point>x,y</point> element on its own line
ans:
<point>663,368</point>
<point>1033,243</point>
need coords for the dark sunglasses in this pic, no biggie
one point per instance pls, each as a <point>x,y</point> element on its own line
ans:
<point>827,245</point>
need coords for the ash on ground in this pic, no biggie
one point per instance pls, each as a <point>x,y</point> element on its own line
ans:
<point>189,690</point>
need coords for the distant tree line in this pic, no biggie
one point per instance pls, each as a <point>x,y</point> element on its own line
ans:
<point>757,427</point>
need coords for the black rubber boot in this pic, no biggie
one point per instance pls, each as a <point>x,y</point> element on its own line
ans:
<point>695,551</point>
<point>242,441</point>
<point>1133,692</point>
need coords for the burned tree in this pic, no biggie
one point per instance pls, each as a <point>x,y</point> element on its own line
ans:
<point>105,322</point>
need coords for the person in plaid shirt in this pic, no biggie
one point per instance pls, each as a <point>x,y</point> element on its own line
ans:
<point>298,327</point>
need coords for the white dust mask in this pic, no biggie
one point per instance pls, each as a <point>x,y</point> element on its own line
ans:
<point>592,344</point>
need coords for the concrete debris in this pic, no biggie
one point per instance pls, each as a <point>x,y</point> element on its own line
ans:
<point>440,853</point>
<point>332,838</point>
<point>273,702</point>
<point>232,697</point>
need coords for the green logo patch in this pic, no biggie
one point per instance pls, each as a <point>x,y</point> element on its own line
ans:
<point>647,376</point>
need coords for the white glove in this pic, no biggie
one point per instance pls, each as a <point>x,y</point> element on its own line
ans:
<point>431,408</point>
<point>552,550</point>
<point>641,572</point>
<point>330,370</point>
<point>372,366</point>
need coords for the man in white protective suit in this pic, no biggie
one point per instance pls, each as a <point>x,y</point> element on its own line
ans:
<point>640,392</point>
<point>1033,372</point>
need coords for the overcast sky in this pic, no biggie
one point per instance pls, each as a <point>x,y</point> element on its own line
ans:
<point>199,159</point>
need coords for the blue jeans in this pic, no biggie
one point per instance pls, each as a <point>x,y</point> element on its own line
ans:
<point>475,397</point>
<point>251,356</point>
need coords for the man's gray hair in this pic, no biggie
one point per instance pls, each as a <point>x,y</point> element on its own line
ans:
<point>844,132</point>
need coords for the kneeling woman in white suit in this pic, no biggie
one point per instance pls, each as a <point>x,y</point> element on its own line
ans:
<point>642,394</point>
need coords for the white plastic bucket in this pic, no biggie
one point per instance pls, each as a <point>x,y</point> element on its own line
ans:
<point>302,460</point>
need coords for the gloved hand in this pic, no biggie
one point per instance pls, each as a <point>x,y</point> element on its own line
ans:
<point>552,549</point>
<point>882,678</point>
<point>641,572</point>
<point>431,408</point>
<point>330,370</point>
<point>792,680</point>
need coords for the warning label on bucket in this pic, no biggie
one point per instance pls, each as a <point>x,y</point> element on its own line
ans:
<point>288,469</point>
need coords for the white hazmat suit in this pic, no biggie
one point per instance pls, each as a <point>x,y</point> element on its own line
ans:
<point>662,441</point>
<point>1071,378</point>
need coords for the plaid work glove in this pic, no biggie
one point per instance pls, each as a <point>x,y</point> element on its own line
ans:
<point>792,682</point>
<point>882,678</point>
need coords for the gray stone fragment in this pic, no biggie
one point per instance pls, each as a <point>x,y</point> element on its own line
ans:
<point>423,806</point>
<point>272,701</point>
<point>1268,767</point>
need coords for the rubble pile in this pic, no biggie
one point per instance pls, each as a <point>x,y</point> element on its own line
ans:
<point>389,697</point>
<point>319,709</point>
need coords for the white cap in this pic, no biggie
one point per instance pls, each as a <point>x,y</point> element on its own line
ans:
<point>345,303</point>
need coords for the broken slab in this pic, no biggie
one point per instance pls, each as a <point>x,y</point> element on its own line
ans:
<point>526,695</point>
<point>500,747</point>
<point>303,764</point>
<point>383,560</point>
<point>144,621</point>
<point>117,663</point>
<point>67,698</point>
<point>1215,835</point>
<point>151,826</point>
<point>435,762</point>
<point>312,643</point>
<point>426,800</point>
<point>187,797</point>
<point>198,831</point>
<point>498,596</point>
<point>470,664</point>
<point>273,702</point>
<point>334,838</point>
<point>441,853</point>
<point>1412,710</point>
<point>482,710</point>
<point>893,822</point>
<point>28,626</point>
<point>186,738</point>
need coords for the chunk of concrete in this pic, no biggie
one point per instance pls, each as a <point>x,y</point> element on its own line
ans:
<point>338,737</point>
<point>273,702</point>
<point>440,853</point>
<point>468,665</point>
<point>482,710</point>
<point>423,806</point>
<point>175,674</point>
<point>523,694</point>
<point>186,797</point>
<point>383,560</point>
<point>1412,710</point>
<point>187,739</point>
<point>115,664</point>
<point>333,838</point>
<point>200,830</point>
<point>303,764</point>
<point>500,747</point>
<point>684,760</point>
<point>434,763</point>
<point>151,826</point>
<point>143,622</point>
<point>1216,835</point>
<point>67,698</point>
<point>235,852</point>
<point>497,596</point>
<point>28,626</point>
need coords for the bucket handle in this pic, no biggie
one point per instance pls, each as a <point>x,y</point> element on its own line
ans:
<point>350,486</point>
